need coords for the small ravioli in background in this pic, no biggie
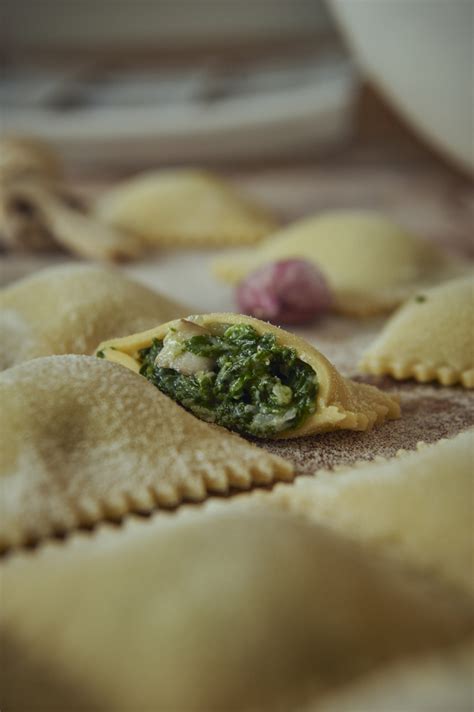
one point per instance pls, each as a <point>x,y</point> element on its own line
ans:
<point>430,338</point>
<point>250,376</point>
<point>257,611</point>
<point>371,263</point>
<point>184,208</point>
<point>70,308</point>
<point>84,440</point>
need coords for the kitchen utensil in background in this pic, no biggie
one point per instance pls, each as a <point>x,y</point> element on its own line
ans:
<point>420,54</point>
<point>194,113</point>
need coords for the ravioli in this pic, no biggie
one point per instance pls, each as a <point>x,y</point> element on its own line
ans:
<point>70,308</point>
<point>417,506</point>
<point>184,208</point>
<point>432,683</point>
<point>83,440</point>
<point>162,619</point>
<point>251,377</point>
<point>431,338</point>
<point>371,263</point>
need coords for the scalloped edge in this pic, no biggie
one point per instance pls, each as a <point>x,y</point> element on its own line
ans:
<point>445,374</point>
<point>130,525</point>
<point>206,483</point>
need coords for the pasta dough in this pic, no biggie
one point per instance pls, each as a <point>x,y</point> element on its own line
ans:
<point>69,309</point>
<point>434,683</point>
<point>83,440</point>
<point>340,402</point>
<point>417,506</point>
<point>371,263</point>
<point>430,338</point>
<point>248,612</point>
<point>184,208</point>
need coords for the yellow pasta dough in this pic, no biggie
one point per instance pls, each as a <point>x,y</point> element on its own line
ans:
<point>68,309</point>
<point>184,208</point>
<point>417,506</point>
<point>371,263</point>
<point>340,404</point>
<point>432,683</point>
<point>430,338</point>
<point>83,440</point>
<point>248,612</point>
<point>28,157</point>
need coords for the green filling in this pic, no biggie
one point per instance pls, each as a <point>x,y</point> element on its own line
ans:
<point>256,387</point>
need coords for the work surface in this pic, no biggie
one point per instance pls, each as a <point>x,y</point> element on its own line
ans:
<point>402,181</point>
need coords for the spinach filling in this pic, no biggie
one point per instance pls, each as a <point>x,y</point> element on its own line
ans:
<point>256,387</point>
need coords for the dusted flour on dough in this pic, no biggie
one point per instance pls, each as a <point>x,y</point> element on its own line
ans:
<point>162,620</point>
<point>70,308</point>
<point>83,440</point>
<point>417,506</point>
<point>431,338</point>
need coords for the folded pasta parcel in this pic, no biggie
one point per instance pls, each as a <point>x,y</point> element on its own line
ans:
<point>84,440</point>
<point>250,376</point>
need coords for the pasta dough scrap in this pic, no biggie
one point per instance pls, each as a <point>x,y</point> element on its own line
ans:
<point>163,621</point>
<point>342,404</point>
<point>431,338</point>
<point>184,208</point>
<point>371,263</point>
<point>83,440</point>
<point>70,308</point>
<point>417,506</point>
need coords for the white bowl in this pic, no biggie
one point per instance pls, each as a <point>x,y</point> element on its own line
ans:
<point>420,54</point>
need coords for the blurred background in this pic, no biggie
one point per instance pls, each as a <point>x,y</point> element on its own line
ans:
<point>124,83</point>
<point>306,104</point>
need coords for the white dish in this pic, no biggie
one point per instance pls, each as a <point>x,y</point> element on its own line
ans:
<point>420,54</point>
<point>195,116</point>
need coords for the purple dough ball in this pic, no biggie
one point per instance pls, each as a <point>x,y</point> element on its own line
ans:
<point>289,291</point>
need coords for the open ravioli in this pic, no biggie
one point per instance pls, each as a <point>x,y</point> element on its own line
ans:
<point>371,263</point>
<point>84,440</point>
<point>184,208</point>
<point>70,308</point>
<point>250,376</point>
<point>417,506</point>
<point>163,619</point>
<point>431,338</point>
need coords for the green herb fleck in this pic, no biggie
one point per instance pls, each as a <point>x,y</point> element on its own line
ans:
<point>257,387</point>
<point>100,354</point>
<point>420,298</point>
